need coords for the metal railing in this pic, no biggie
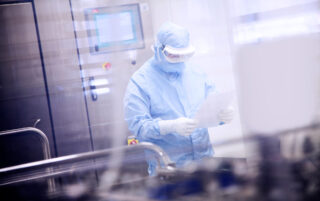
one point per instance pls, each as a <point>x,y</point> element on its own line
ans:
<point>43,138</point>
<point>44,144</point>
<point>36,170</point>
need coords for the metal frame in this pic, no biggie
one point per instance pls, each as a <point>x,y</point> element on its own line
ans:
<point>81,75</point>
<point>10,2</point>
<point>44,143</point>
<point>43,138</point>
<point>8,176</point>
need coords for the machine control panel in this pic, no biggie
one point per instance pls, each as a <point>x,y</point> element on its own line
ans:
<point>115,28</point>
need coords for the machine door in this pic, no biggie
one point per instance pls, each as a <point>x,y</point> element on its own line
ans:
<point>23,96</point>
<point>114,40</point>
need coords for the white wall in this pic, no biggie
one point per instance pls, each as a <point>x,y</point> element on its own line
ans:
<point>207,22</point>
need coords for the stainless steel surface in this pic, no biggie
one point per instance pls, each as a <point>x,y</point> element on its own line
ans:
<point>44,143</point>
<point>58,92</point>
<point>106,111</point>
<point>55,162</point>
<point>23,98</point>
<point>43,138</point>
<point>69,115</point>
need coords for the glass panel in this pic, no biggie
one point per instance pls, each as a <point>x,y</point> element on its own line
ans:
<point>236,120</point>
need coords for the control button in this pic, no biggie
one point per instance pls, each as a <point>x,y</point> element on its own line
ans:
<point>106,66</point>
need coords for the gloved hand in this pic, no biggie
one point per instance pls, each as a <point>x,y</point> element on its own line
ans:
<point>183,126</point>
<point>226,115</point>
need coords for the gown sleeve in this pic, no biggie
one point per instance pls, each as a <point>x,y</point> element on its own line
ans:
<point>137,113</point>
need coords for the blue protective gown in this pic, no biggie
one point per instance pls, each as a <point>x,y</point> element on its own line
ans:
<point>155,93</point>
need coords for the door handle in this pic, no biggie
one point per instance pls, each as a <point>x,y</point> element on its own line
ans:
<point>93,91</point>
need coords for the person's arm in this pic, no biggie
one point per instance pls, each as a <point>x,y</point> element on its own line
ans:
<point>137,113</point>
<point>140,122</point>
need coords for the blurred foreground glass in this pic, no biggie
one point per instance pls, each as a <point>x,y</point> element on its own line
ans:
<point>276,59</point>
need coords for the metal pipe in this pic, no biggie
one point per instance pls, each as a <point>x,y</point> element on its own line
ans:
<point>38,165</point>
<point>44,143</point>
<point>43,138</point>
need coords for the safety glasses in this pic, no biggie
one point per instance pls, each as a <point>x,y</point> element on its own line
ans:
<point>177,55</point>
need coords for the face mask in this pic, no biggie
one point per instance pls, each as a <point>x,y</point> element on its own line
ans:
<point>172,67</point>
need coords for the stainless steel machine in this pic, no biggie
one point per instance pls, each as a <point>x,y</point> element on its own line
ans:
<point>113,39</point>
<point>66,64</point>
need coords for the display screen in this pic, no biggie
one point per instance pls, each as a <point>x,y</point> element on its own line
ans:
<point>114,28</point>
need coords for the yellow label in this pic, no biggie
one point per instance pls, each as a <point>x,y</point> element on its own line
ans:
<point>132,141</point>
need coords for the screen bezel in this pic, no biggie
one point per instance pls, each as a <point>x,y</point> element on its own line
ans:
<point>93,33</point>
